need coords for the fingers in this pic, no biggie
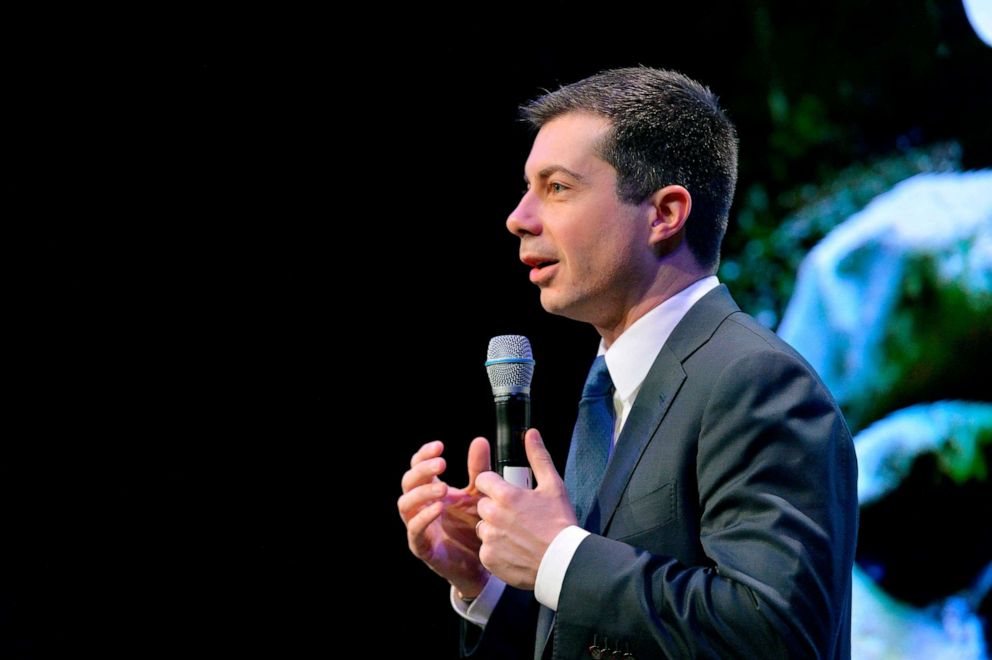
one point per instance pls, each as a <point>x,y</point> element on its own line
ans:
<point>430,450</point>
<point>478,459</point>
<point>493,485</point>
<point>417,526</point>
<point>487,510</point>
<point>539,459</point>
<point>411,502</point>
<point>424,469</point>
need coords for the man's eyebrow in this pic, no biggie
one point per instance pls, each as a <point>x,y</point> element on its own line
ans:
<point>551,169</point>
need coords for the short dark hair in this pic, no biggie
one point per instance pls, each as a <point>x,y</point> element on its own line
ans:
<point>666,129</point>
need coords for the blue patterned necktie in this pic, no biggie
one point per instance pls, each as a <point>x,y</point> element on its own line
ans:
<point>592,439</point>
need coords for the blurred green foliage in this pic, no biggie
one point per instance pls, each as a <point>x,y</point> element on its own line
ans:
<point>762,275</point>
<point>935,344</point>
<point>835,105</point>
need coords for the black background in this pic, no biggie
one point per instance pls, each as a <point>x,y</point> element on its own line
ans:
<point>266,255</point>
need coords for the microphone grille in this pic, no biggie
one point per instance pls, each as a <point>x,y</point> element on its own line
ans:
<point>509,363</point>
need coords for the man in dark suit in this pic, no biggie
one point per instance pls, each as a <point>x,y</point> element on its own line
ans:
<point>719,518</point>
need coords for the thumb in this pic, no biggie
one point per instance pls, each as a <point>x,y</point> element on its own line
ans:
<point>539,458</point>
<point>478,460</point>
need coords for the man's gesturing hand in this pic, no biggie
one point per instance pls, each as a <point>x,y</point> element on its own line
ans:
<point>519,524</point>
<point>440,520</point>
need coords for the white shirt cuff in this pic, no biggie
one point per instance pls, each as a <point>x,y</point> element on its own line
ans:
<point>480,609</point>
<point>551,572</point>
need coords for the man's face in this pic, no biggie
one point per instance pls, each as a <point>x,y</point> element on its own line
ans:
<point>589,251</point>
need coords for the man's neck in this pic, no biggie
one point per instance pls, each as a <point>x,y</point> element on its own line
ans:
<point>668,283</point>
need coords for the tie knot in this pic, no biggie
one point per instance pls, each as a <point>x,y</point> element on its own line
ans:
<point>598,383</point>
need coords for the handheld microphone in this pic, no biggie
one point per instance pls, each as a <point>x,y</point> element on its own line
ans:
<point>510,365</point>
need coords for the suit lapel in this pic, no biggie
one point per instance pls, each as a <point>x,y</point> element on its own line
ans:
<point>659,389</point>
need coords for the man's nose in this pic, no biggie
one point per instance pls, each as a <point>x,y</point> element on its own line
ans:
<point>523,220</point>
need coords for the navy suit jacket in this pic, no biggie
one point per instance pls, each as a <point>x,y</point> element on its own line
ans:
<point>726,522</point>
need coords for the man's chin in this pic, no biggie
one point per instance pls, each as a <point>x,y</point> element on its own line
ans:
<point>549,302</point>
<point>553,304</point>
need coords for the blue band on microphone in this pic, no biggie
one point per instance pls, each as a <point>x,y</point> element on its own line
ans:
<point>510,360</point>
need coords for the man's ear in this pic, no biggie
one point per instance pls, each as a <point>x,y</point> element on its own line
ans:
<point>670,209</point>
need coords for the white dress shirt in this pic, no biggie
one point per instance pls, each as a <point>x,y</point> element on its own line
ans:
<point>628,360</point>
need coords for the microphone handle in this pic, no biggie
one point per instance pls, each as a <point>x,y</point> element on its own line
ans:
<point>512,421</point>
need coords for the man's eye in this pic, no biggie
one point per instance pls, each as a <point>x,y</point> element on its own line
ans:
<point>556,187</point>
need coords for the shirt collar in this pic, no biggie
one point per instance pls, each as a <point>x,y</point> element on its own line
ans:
<point>630,357</point>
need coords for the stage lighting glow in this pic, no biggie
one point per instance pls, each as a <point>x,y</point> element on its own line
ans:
<point>980,16</point>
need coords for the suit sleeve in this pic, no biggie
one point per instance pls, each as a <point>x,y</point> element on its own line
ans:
<point>776,478</point>
<point>508,634</point>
